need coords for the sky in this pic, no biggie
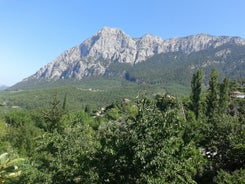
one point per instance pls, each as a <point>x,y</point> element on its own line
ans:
<point>35,32</point>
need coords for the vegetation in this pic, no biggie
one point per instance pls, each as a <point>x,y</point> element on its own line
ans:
<point>148,139</point>
<point>95,92</point>
<point>177,68</point>
<point>9,167</point>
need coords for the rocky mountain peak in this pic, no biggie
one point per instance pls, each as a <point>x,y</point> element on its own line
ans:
<point>106,43</point>
<point>107,31</point>
<point>149,40</point>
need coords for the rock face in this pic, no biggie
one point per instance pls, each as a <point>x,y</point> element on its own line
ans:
<point>110,45</point>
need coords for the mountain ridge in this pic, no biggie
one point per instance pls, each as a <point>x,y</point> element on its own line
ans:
<point>111,45</point>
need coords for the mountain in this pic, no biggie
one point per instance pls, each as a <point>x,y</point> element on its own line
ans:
<point>94,56</point>
<point>3,87</point>
<point>111,66</point>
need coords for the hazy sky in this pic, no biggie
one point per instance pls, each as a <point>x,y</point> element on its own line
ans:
<point>35,32</point>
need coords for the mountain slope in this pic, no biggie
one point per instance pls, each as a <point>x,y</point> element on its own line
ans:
<point>108,46</point>
<point>178,67</point>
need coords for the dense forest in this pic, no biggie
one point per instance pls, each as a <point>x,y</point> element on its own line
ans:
<point>165,139</point>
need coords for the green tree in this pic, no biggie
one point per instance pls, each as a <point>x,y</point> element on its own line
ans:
<point>54,114</point>
<point>64,103</point>
<point>224,96</point>
<point>17,118</point>
<point>64,157</point>
<point>226,144</point>
<point>147,148</point>
<point>212,99</point>
<point>196,89</point>
<point>236,177</point>
<point>21,131</point>
<point>4,143</point>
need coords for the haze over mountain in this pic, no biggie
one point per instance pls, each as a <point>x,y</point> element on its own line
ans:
<point>3,87</point>
<point>111,45</point>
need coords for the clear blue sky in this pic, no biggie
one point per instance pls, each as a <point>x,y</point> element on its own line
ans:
<point>34,32</point>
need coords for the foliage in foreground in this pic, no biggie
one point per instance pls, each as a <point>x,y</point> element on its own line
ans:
<point>9,167</point>
<point>163,140</point>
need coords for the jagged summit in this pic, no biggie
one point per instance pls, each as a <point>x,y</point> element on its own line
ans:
<point>110,45</point>
<point>106,43</point>
<point>109,31</point>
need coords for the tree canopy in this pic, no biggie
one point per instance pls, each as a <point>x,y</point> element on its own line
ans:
<point>165,139</point>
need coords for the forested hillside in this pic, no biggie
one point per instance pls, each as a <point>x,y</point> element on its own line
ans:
<point>165,139</point>
<point>95,92</point>
<point>178,67</point>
